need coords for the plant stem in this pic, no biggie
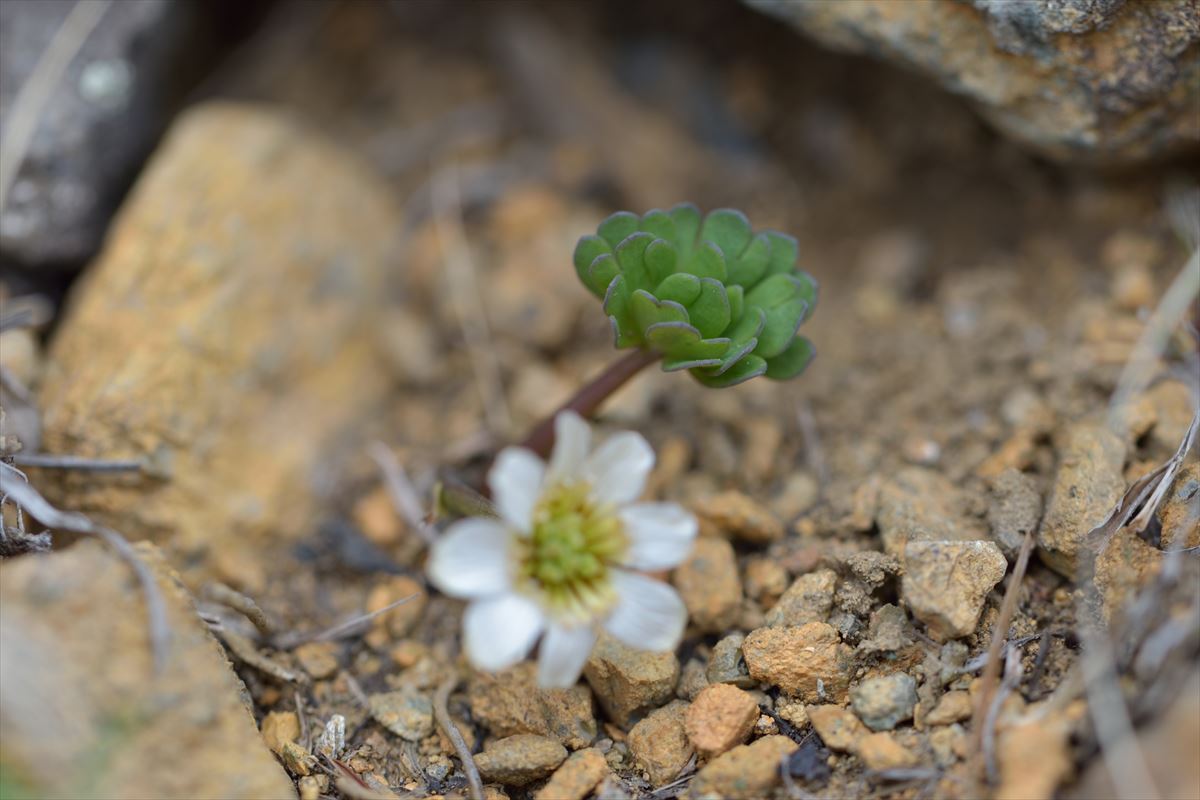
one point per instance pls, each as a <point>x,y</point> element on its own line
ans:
<point>588,399</point>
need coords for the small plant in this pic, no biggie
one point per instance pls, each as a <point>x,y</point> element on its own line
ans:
<point>710,295</point>
<point>562,558</point>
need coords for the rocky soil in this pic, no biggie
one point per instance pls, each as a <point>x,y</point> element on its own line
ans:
<point>345,275</point>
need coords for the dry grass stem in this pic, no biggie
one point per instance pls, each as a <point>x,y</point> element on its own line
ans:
<point>350,627</point>
<point>220,593</point>
<point>466,298</point>
<point>442,712</point>
<point>403,494</point>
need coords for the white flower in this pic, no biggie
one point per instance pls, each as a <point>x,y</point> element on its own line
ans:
<point>562,559</point>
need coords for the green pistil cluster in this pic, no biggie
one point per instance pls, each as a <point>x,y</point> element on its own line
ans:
<point>572,543</point>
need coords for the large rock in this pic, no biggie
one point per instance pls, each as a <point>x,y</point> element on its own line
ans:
<point>225,335</point>
<point>82,711</point>
<point>946,584</point>
<point>1108,81</point>
<point>100,120</point>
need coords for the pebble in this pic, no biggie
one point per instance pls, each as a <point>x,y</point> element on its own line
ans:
<point>692,678</point>
<point>297,759</point>
<point>949,743</point>
<point>952,707</point>
<point>1125,566</point>
<point>945,584</point>
<point>406,713</point>
<point>883,703</point>
<point>630,683</point>
<point>1034,759</point>
<point>764,579</point>
<point>839,729</point>
<point>741,517</point>
<point>510,702</point>
<point>1015,508</point>
<point>920,504</point>
<point>710,586</point>
<point>880,751</point>
<point>727,664</point>
<point>887,632</point>
<point>1087,486</point>
<point>399,622</point>
<point>659,743</point>
<point>760,450</point>
<point>799,493</point>
<point>520,760</point>
<point>808,599</point>
<point>809,662</point>
<point>747,772</point>
<point>720,717</point>
<point>1180,512</point>
<point>872,567</point>
<point>279,727</point>
<point>318,659</point>
<point>576,778</point>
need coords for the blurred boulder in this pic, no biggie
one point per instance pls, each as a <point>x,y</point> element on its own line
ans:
<point>83,712</point>
<point>100,119</point>
<point>227,336</point>
<point>1101,81</point>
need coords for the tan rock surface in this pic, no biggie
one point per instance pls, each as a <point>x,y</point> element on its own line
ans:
<point>746,772</point>
<point>809,662</point>
<point>720,717</point>
<point>509,703</point>
<point>224,334</point>
<point>710,586</point>
<point>659,743</point>
<point>630,683</point>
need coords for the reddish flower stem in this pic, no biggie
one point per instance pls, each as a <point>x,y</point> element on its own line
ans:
<point>585,402</point>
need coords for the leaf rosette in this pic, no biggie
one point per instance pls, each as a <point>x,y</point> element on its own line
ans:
<point>709,294</point>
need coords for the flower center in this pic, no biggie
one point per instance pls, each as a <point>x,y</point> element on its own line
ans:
<point>568,553</point>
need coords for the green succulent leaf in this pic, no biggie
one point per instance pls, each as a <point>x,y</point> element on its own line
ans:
<point>706,261</point>
<point>687,226</point>
<point>660,259</point>
<point>748,267</point>
<point>750,366</point>
<point>680,287</point>
<point>706,292</point>
<point>709,312</point>
<point>588,250</point>
<point>792,361</point>
<point>729,229</point>
<point>618,226</point>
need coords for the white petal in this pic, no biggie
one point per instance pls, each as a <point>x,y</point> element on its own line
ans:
<point>572,438</point>
<point>516,482</point>
<point>660,535</point>
<point>619,467</point>
<point>563,653</point>
<point>471,558</point>
<point>499,631</point>
<point>649,613</point>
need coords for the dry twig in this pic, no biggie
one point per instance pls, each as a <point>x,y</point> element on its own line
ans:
<point>442,712</point>
<point>401,490</point>
<point>350,627</point>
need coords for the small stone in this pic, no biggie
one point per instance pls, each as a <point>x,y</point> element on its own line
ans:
<point>887,632</point>
<point>808,599</point>
<point>692,678</point>
<point>920,504</point>
<point>741,517</point>
<point>792,711</point>
<point>399,622</point>
<point>1125,566</point>
<point>872,567</point>
<point>280,727</point>
<point>406,713</point>
<point>1014,510</point>
<point>1016,453</point>
<point>296,759</point>
<point>883,703</point>
<point>659,743</point>
<point>1180,512</point>
<point>945,583</point>
<point>809,662</point>
<point>949,744</point>
<point>1174,406</point>
<point>576,778</point>
<point>727,664</point>
<point>313,786</point>
<point>630,683</point>
<point>747,772</point>
<point>1087,486</point>
<point>375,515</point>
<point>880,751</point>
<point>721,717</point>
<point>798,494</point>
<point>839,729</point>
<point>510,702</point>
<point>761,448</point>
<point>520,760</point>
<point>318,659</point>
<point>710,586</point>
<point>952,707</point>
<point>764,579</point>
<point>1133,288</point>
<point>1034,759</point>
<point>765,726</point>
